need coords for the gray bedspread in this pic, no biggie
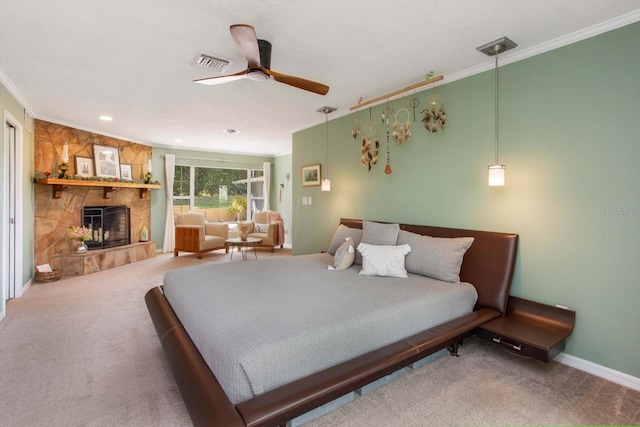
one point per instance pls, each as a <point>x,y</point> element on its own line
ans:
<point>263,323</point>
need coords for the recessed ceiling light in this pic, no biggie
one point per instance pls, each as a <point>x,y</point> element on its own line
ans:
<point>177,141</point>
<point>106,118</point>
<point>231,131</point>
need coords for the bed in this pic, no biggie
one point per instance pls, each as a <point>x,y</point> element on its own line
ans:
<point>272,375</point>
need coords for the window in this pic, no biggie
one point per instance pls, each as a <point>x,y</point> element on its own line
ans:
<point>181,190</point>
<point>219,194</point>
<point>256,193</point>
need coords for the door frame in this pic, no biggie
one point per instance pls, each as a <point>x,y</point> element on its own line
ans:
<point>16,288</point>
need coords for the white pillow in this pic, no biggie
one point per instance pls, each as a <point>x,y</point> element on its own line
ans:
<point>345,255</point>
<point>382,260</point>
<point>260,228</point>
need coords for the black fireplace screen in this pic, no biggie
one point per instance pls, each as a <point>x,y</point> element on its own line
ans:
<point>109,226</point>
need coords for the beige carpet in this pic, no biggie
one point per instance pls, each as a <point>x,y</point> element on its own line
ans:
<point>83,352</point>
<point>486,386</point>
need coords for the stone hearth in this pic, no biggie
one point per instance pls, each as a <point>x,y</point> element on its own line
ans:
<point>75,264</point>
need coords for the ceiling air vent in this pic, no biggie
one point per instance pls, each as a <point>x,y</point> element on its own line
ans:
<point>202,60</point>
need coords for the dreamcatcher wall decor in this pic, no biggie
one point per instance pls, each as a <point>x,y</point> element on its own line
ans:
<point>402,126</point>
<point>434,116</point>
<point>355,130</point>
<point>414,103</point>
<point>370,133</point>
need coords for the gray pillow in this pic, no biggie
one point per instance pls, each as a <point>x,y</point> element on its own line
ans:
<point>376,233</point>
<point>436,257</point>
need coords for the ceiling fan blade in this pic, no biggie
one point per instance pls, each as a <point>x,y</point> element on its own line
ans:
<point>223,79</point>
<point>299,82</point>
<point>247,41</point>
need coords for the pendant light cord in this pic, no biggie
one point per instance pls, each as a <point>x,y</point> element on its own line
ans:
<point>496,107</point>
<point>326,141</point>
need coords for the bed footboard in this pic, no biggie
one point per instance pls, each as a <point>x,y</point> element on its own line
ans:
<point>206,401</point>
<point>284,403</point>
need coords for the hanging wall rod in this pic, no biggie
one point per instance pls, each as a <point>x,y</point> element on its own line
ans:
<point>397,92</point>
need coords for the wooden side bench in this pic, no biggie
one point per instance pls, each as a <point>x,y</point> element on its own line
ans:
<point>531,329</point>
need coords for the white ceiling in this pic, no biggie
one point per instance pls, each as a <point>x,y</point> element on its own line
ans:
<point>71,61</point>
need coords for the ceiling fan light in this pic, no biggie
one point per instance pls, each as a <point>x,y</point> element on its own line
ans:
<point>258,75</point>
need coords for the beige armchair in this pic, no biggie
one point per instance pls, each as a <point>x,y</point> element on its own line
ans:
<point>269,227</point>
<point>195,235</point>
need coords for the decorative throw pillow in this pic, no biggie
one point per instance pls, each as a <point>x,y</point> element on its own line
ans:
<point>436,257</point>
<point>340,236</point>
<point>345,255</point>
<point>260,228</point>
<point>377,233</point>
<point>382,260</point>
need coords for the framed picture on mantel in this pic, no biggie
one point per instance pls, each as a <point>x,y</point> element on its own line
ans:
<point>107,161</point>
<point>84,166</point>
<point>125,171</point>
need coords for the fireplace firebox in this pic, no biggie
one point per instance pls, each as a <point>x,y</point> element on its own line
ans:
<point>109,226</point>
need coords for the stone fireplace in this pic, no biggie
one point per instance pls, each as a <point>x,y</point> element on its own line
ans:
<point>55,212</point>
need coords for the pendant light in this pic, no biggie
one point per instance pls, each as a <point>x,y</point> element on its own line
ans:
<point>494,48</point>
<point>326,182</point>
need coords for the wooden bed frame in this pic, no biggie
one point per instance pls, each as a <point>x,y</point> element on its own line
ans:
<point>488,265</point>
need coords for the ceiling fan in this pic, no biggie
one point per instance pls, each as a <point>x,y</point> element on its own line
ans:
<point>258,54</point>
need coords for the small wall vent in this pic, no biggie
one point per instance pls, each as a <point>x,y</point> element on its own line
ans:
<point>203,60</point>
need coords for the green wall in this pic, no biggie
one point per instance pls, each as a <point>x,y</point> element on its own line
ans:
<point>9,103</point>
<point>569,135</point>
<point>204,159</point>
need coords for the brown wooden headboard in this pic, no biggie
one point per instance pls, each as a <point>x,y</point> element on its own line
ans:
<point>488,264</point>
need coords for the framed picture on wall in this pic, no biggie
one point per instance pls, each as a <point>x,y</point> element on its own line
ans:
<point>84,166</point>
<point>311,175</point>
<point>125,172</point>
<point>107,161</point>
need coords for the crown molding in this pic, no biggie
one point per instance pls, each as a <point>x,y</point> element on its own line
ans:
<point>6,82</point>
<point>91,130</point>
<point>519,55</point>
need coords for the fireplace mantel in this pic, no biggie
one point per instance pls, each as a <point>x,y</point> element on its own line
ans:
<point>60,184</point>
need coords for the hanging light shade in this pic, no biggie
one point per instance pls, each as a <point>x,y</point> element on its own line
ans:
<point>496,175</point>
<point>494,48</point>
<point>326,182</point>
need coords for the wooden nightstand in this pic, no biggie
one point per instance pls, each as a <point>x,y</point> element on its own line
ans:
<point>531,329</point>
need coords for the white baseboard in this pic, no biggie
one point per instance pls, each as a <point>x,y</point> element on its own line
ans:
<point>600,371</point>
<point>27,285</point>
